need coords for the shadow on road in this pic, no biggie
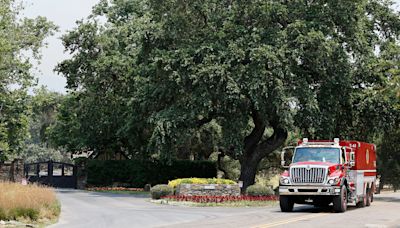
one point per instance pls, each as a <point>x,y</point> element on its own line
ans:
<point>312,209</point>
<point>387,199</point>
<point>116,195</point>
<point>102,194</point>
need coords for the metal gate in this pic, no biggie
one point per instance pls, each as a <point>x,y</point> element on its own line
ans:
<point>55,174</point>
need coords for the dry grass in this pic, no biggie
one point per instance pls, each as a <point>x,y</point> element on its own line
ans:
<point>32,202</point>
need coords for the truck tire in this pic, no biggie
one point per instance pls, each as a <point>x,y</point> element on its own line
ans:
<point>369,198</point>
<point>340,201</point>
<point>286,203</point>
<point>362,202</point>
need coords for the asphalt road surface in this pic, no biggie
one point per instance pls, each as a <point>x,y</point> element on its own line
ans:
<point>89,209</point>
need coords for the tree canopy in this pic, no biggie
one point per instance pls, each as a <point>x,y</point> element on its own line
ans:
<point>20,41</point>
<point>158,70</point>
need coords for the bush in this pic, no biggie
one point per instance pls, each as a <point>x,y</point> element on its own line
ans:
<point>161,190</point>
<point>138,173</point>
<point>3,215</point>
<point>29,213</point>
<point>259,190</point>
<point>177,182</point>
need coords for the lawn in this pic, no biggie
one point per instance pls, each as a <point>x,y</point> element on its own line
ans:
<point>28,203</point>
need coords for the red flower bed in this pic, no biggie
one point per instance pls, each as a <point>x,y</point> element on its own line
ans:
<point>114,189</point>
<point>220,199</point>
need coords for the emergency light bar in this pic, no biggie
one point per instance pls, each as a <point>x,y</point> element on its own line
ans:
<point>335,142</point>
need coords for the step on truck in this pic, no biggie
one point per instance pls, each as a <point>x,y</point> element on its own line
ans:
<point>321,172</point>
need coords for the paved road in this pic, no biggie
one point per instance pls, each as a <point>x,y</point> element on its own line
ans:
<point>88,209</point>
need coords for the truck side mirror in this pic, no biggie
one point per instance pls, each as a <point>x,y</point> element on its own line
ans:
<point>352,159</point>
<point>285,160</point>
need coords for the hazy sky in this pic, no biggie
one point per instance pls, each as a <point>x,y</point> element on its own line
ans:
<point>63,13</point>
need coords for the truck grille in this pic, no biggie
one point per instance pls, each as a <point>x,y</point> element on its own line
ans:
<point>304,175</point>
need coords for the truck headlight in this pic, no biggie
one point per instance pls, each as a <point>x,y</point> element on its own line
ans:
<point>284,180</point>
<point>334,181</point>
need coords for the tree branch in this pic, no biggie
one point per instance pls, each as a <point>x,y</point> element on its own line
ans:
<point>251,141</point>
<point>272,143</point>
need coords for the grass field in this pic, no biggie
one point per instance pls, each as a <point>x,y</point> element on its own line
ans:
<point>29,203</point>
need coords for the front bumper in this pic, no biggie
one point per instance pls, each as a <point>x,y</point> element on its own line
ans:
<point>309,190</point>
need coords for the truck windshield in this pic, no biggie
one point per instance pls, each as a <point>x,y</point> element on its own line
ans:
<point>317,155</point>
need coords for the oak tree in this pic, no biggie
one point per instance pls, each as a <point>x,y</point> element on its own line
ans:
<point>162,69</point>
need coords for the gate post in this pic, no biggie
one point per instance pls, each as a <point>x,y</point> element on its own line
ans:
<point>81,173</point>
<point>50,173</point>
<point>37,170</point>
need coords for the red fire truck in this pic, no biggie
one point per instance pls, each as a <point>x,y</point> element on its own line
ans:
<point>323,172</point>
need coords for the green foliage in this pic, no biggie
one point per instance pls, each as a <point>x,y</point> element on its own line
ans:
<point>29,213</point>
<point>67,132</point>
<point>3,214</point>
<point>37,146</point>
<point>18,213</point>
<point>259,190</point>
<point>176,182</point>
<point>389,158</point>
<point>39,153</point>
<point>44,105</point>
<point>138,173</point>
<point>13,122</point>
<point>157,71</point>
<point>161,190</point>
<point>18,37</point>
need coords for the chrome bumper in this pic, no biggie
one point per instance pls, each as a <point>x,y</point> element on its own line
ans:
<point>309,190</point>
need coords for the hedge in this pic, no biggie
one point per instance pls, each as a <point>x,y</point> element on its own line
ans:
<point>135,173</point>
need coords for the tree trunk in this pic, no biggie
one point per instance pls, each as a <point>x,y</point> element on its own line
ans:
<point>256,148</point>
<point>381,184</point>
<point>248,171</point>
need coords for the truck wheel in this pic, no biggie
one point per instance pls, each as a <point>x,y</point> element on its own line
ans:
<point>286,203</point>
<point>362,202</point>
<point>340,201</point>
<point>369,198</point>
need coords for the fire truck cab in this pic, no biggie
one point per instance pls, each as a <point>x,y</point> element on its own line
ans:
<point>322,172</point>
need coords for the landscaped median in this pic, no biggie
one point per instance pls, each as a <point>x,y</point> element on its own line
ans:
<point>27,204</point>
<point>211,192</point>
<point>222,201</point>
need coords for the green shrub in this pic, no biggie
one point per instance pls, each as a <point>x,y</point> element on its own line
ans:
<point>259,190</point>
<point>138,173</point>
<point>161,190</point>
<point>177,182</point>
<point>3,215</point>
<point>29,213</point>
